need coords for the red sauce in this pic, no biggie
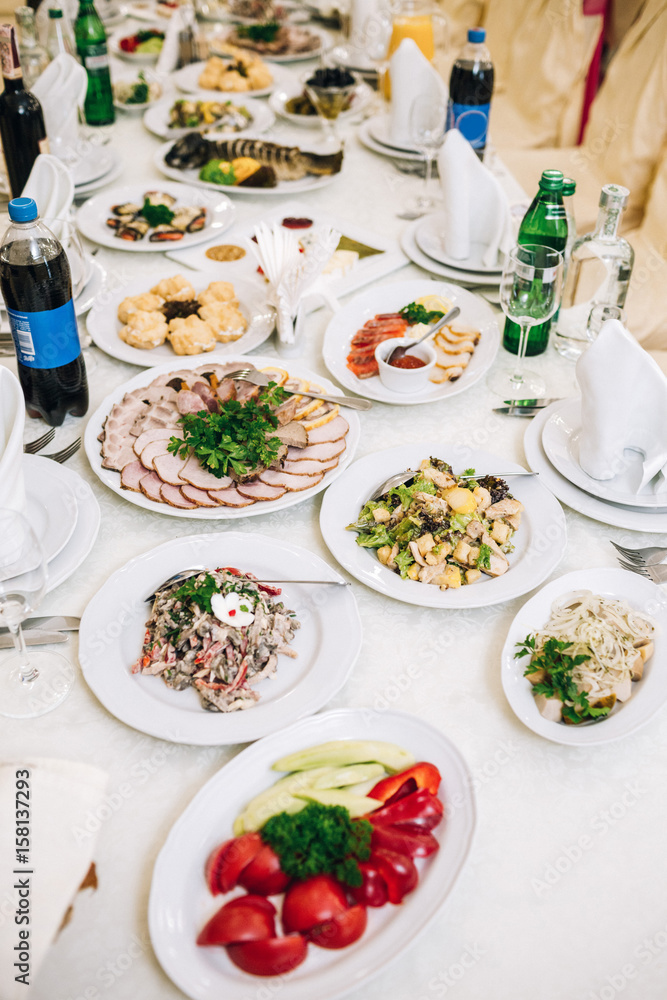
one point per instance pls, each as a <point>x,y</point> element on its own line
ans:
<point>291,223</point>
<point>407,361</point>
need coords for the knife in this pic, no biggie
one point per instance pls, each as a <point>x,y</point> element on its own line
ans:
<point>33,637</point>
<point>61,623</point>
<point>519,411</point>
<point>532,403</point>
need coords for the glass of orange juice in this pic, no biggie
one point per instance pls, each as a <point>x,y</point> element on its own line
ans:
<point>421,21</point>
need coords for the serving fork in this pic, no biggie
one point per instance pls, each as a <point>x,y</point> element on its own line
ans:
<point>257,378</point>
<point>185,574</point>
<point>649,556</point>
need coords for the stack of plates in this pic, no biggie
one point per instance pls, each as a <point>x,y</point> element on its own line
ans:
<point>551,445</point>
<point>98,166</point>
<point>422,242</point>
<point>64,514</point>
<point>375,133</point>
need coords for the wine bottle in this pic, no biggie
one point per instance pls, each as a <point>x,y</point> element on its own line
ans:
<point>91,44</point>
<point>22,130</point>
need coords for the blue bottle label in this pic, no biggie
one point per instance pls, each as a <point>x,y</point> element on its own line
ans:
<point>45,339</point>
<point>472,120</point>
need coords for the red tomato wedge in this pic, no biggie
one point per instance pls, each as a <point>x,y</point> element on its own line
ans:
<point>270,957</point>
<point>342,930</point>
<point>226,862</point>
<point>246,918</point>
<point>398,871</point>
<point>373,889</point>
<point>264,875</point>
<point>398,838</point>
<point>313,902</point>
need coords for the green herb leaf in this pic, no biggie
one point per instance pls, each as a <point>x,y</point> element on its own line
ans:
<point>259,32</point>
<point>156,215</point>
<point>484,557</point>
<point>413,313</point>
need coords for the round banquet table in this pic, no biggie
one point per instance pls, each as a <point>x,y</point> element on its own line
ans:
<point>562,897</point>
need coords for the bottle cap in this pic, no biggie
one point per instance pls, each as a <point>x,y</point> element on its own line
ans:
<point>55,12</point>
<point>614,194</point>
<point>569,186</point>
<point>476,35</point>
<point>22,209</point>
<point>551,180</point>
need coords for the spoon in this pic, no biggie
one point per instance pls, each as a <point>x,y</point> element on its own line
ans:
<point>398,352</point>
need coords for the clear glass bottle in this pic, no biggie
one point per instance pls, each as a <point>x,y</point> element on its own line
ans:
<point>601,263</point>
<point>59,38</point>
<point>33,57</point>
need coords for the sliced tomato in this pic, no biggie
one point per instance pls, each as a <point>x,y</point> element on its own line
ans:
<point>397,838</point>
<point>264,875</point>
<point>342,930</point>
<point>398,871</point>
<point>373,889</point>
<point>310,903</point>
<point>227,861</point>
<point>246,918</point>
<point>270,957</point>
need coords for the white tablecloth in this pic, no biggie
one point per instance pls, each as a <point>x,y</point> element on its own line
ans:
<point>563,894</point>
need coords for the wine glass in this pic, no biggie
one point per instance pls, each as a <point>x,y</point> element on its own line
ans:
<point>428,124</point>
<point>330,89</point>
<point>530,292</point>
<point>34,683</point>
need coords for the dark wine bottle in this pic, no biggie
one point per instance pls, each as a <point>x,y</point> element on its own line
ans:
<point>22,128</point>
<point>36,285</point>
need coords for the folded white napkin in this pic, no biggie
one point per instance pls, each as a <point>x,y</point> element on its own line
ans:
<point>293,275</point>
<point>623,405</point>
<point>168,59</point>
<point>12,419</point>
<point>51,185</point>
<point>362,13</point>
<point>64,796</point>
<point>476,207</point>
<point>412,76</point>
<point>61,90</point>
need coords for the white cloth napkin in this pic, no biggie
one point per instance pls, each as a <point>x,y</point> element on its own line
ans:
<point>412,76</point>
<point>623,405</point>
<point>64,796</point>
<point>361,13</point>
<point>293,276</point>
<point>12,419</point>
<point>168,59</point>
<point>476,207</point>
<point>51,185</point>
<point>61,90</point>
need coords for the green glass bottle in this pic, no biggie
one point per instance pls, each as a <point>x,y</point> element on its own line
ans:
<point>91,46</point>
<point>545,223</point>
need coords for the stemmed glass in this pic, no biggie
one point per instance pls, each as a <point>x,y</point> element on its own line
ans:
<point>530,293</point>
<point>428,124</point>
<point>32,683</point>
<point>329,98</point>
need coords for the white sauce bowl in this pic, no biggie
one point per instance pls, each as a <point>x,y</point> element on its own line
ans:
<point>404,379</point>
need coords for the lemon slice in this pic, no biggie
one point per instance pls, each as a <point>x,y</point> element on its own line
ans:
<point>278,375</point>
<point>309,405</point>
<point>434,303</point>
<point>319,421</point>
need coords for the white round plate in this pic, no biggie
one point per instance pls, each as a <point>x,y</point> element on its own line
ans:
<point>135,109</point>
<point>88,294</point>
<point>91,167</point>
<point>92,215</point>
<point>187,80</point>
<point>283,188</point>
<point>618,516</point>
<point>379,127</point>
<point>560,439</point>
<point>51,503</point>
<point>367,139</point>
<point>112,479</point>
<point>140,58</point>
<point>156,119</point>
<point>391,297</point>
<point>83,190</point>
<point>362,94</point>
<point>144,11</point>
<point>103,324</point>
<point>85,533</point>
<point>649,694</point>
<point>428,235</point>
<point>324,44</point>
<point>417,256</point>
<point>531,562</point>
<point>180,902</point>
<point>326,652</point>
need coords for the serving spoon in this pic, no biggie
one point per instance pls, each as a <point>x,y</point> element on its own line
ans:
<point>398,352</point>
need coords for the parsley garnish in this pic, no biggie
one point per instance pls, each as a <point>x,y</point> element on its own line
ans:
<point>259,32</point>
<point>414,313</point>
<point>238,437</point>
<point>558,682</point>
<point>469,472</point>
<point>156,215</point>
<point>319,840</point>
<point>201,591</point>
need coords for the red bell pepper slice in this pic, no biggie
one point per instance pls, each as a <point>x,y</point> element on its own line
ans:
<point>396,838</point>
<point>422,775</point>
<point>419,809</point>
<point>398,871</point>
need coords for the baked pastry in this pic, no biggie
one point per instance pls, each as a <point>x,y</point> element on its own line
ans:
<point>176,289</point>
<point>191,335</point>
<point>225,319</point>
<point>135,303</point>
<point>145,330</point>
<point>218,291</point>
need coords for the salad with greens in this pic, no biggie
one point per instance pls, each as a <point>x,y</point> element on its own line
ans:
<point>442,529</point>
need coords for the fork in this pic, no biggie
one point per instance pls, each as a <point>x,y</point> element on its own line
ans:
<point>32,447</point>
<point>62,456</point>
<point>650,556</point>
<point>658,574</point>
<point>257,378</point>
<point>185,574</point>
